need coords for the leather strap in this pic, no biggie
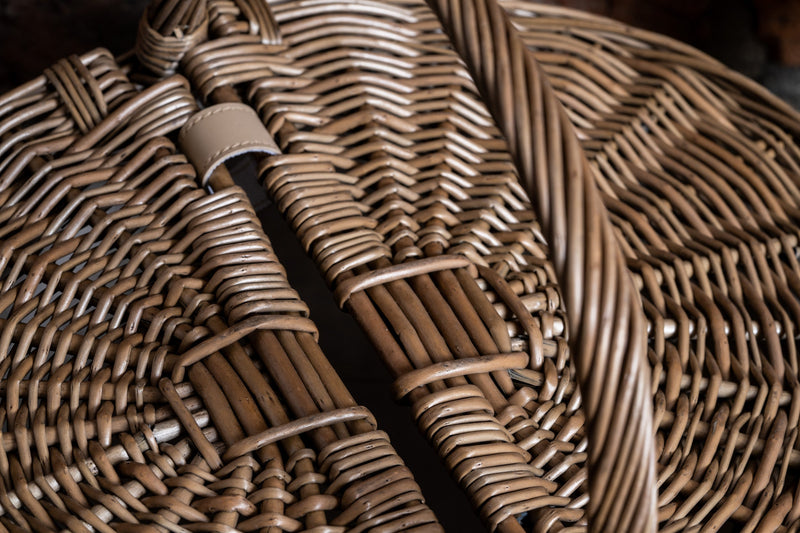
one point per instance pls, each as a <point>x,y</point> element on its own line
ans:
<point>220,132</point>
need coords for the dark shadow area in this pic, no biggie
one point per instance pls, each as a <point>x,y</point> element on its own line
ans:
<point>357,363</point>
<point>368,380</point>
<point>36,33</point>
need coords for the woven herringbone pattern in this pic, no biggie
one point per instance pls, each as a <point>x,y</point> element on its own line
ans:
<point>402,188</point>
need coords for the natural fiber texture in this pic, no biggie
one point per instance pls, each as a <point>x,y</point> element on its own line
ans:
<point>158,371</point>
<point>402,188</point>
<point>610,362</point>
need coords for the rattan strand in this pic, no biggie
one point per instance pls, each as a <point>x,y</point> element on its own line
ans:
<point>391,156</point>
<point>159,372</point>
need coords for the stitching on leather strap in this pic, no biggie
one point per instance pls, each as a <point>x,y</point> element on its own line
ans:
<point>221,132</point>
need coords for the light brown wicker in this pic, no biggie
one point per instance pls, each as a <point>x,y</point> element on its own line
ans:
<point>158,371</point>
<point>659,273</point>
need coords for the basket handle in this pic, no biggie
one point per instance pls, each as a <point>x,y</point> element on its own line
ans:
<point>607,329</point>
<point>169,29</point>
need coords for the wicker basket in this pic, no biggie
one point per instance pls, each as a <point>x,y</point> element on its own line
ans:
<point>159,373</point>
<point>659,272</point>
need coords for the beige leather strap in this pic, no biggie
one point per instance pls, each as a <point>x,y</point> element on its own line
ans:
<point>220,132</point>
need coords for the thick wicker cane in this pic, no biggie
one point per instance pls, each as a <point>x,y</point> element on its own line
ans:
<point>608,337</point>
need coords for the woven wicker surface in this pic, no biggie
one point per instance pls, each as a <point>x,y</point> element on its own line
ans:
<point>159,373</point>
<point>666,187</point>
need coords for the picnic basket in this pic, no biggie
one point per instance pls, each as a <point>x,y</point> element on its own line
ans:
<point>158,371</point>
<point>574,243</point>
